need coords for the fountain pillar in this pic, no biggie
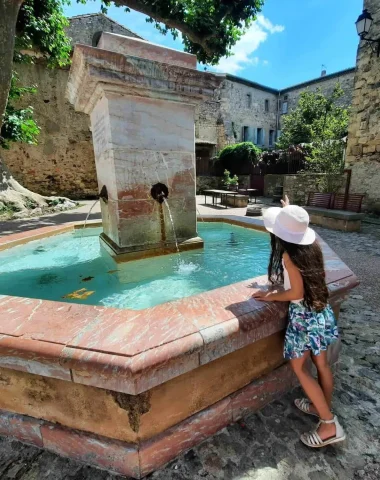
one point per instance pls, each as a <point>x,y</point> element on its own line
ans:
<point>141,99</point>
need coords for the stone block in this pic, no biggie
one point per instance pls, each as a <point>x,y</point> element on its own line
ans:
<point>160,450</point>
<point>118,457</point>
<point>262,391</point>
<point>140,48</point>
<point>369,149</point>
<point>356,150</point>
<point>237,201</point>
<point>23,428</point>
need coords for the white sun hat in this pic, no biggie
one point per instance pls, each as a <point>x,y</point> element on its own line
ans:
<point>269,217</point>
<point>292,225</point>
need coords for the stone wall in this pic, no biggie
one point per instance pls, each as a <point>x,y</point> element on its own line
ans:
<point>271,182</point>
<point>237,104</point>
<point>83,28</point>
<point>243,104</point>
<point>208,182</point>
<point>363,148</point>
<point>63,161</point>
<point>205,182</point>
<point>297,187</point>
<point>326,84</point>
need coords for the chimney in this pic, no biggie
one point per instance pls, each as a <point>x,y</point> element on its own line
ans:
<point>323,73</point>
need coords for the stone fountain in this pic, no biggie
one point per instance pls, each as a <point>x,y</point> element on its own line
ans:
<point>129,390</point>
<point>141,99</point>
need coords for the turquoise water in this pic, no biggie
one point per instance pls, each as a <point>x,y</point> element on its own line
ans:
<point>54,267</point>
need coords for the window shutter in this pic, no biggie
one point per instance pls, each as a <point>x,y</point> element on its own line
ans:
<point>263,136</point>
<point>255,136</point>
<point>251,134</point>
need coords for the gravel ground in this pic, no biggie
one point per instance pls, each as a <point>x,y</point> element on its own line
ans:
<point>265,445</point>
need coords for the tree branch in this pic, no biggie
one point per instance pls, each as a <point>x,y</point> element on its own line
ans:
<point>138,6</point>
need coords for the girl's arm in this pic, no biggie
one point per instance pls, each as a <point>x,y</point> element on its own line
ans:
<point>296,291</point>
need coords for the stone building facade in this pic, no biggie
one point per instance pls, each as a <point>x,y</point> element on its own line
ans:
<point>63,161</point>
<point>289,96</point>
<point>363,145</point>
<point>247,111</point>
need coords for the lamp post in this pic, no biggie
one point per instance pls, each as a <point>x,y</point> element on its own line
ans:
<point>363,25</point>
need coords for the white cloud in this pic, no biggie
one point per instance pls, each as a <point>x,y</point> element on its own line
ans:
<point>265,62</point>
<point>243,50</point>
<point>268,25</point>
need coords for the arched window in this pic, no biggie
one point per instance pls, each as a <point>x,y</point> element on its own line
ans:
<point>96,38</point>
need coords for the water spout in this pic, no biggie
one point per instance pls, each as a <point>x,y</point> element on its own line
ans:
<point>172,222</point>
<point>103,195</point>
<point>88,215</point>
<point>159,192</point>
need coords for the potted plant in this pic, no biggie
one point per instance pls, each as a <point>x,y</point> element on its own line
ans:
<point>231,183</point>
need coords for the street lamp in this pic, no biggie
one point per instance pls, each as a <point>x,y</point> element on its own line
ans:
<point>363,25</point>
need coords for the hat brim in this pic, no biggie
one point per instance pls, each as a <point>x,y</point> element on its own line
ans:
<point>307,238</point>
<point>269,218</point>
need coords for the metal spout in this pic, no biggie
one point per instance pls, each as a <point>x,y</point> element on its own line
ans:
<point>159,192</point>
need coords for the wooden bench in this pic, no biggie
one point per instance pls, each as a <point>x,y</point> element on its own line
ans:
<point>353,203</point>
<point>335,211</point>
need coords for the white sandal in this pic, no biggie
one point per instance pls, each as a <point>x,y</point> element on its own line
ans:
<point>304,404</point>
<point>313,440</point>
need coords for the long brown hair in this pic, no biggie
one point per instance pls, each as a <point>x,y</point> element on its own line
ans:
<point>275,267</point>
<point>309,261</point>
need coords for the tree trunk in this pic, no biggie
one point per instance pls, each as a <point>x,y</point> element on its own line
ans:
<point>8,17</point>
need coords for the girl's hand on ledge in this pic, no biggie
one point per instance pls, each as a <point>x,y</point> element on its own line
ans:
<point>263,295</point>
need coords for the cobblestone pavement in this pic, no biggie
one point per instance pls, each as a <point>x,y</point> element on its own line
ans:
<point>265,446</point>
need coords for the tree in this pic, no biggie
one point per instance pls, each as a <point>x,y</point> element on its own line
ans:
<point>239,157</point>
<point>210,29</point>
<point>319,121</point>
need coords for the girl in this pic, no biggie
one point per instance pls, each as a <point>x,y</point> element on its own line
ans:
<point>312,326</point>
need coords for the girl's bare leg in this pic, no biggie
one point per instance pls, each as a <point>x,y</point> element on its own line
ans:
<point>315,394</point>
<point>325,376</point>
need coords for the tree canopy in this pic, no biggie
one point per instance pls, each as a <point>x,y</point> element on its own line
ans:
<point>319,121</point>
<point>209,28</point>
<point>317,117</point>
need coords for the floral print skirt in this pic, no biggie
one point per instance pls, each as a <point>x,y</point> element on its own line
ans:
<point>309,330</point>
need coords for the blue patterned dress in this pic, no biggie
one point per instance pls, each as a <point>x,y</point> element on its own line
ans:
<point>308,329</point>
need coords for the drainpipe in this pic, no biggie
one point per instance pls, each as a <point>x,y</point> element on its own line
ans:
<point>278,113</point>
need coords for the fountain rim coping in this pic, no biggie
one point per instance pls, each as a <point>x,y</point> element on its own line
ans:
<point>200,329</point>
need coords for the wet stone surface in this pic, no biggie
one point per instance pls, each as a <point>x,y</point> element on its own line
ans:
<point>265,446</point>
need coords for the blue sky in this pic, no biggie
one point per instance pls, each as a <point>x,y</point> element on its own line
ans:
<point>287,44</point>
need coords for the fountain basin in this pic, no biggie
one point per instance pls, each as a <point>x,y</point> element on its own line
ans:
<point>129,390</point>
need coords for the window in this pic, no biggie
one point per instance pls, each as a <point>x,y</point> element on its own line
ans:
<point>259,140</point>
<point>267,105</point>
<point>249,100</point>
<point>285,104</point>
<point>271,138</point>
<point>245,134</point>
